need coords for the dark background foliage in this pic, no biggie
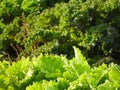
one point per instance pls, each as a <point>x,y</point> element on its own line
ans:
<point>28,28</point>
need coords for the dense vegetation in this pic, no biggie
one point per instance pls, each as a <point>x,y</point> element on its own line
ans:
<point>37,39</point>
<point>28,28</point>
<point>52,72</point>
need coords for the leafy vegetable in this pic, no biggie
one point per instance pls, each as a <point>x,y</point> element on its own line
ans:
<point>52,72</point>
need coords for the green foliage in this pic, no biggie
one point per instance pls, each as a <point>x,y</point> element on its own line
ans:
<point>38,29</point>
<point>35,86</point>
<point>102,37</point>
<point>28,28</point>
<point>52,72</point>
<point>113,74</point>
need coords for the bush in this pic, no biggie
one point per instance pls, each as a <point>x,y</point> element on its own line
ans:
<point>55,26</point>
